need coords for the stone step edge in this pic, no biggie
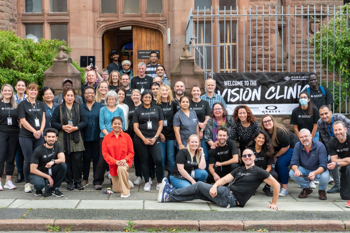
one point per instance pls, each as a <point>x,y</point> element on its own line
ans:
<point>185,225</point>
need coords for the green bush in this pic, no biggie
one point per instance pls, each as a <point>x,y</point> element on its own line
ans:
<point>343,89</point>
<point>25,59</point>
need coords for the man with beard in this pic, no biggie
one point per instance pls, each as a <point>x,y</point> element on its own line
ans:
<point>142,81</point>
<point>48,168</point>
<point>161,73</point>
<point>125,81</point>
<point>115,64</point>
<point>67,83</point>
<point>319,95</point>
<point>179,90</point>
<point>247,180</point>
<point>339,149</point>
<point>210,96</point>
<point>309,161</point>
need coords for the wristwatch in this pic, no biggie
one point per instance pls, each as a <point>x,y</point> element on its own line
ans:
<point>52,160</point>
<point>156,136</point>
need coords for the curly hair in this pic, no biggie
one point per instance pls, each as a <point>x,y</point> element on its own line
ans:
<point>225,114</point>
<point>159,95</point>
<point>267,148</point>
<point>250,117</point>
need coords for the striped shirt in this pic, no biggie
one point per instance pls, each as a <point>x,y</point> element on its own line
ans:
<point>216,98</point>
<point>326,130</point>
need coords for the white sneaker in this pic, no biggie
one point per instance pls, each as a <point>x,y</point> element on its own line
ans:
<point>27,188</point>
<point>316,181</point>
<point>109,175</point>
<point>330,179</point>
<point>147,187</point>
<point>158,186</point>
<point>9,185</point>
<point>138,180</point>
<point>283,192</point>
<point>131,184</point>
<point>312,185</point>
<point>150,181</point>
<point>1,187</point>
<point>122,196</point>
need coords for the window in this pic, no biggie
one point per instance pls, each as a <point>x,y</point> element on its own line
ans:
<point>201,4</point>
<point>131,6</point>
<point>228,47</point>
<point>108,6</point>
<point>33,6</point>
<point>154,6</point>
<point>34,30</point>
<point>204,53</point>
<point>227,4</point>
<point>59,32</point>
<point>58,5</point>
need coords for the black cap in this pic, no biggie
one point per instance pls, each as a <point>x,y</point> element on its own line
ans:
<point>114,51</point>
<point>67,80</point>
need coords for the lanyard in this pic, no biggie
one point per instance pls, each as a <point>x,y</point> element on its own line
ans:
<point>166,109</point>
<point>19,100</point>
<point>329,131</point>
<point>48,109</point>
<point>34,106</point>
<point>155,66</point>
<point>149,115</point>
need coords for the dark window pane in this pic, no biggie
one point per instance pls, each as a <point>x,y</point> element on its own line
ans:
<point>131,6</point>
<point>59,32</point>
<point>108,6</point>
<point>226,32</point>
<point>58,5</point>
<point>202,56</point>
<point>154,6</point>
<point>34,30</point>
<point>227,4</point>
<point>204,31</point>
<point>33,6</point>
<point>201,4</point>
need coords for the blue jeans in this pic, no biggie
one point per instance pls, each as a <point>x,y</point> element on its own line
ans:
<point>282,166</point>
<point>323,178</point>
<point>199,175</point>
<point>205,147</point>
<point>317,136</point>
<point>168,151</point>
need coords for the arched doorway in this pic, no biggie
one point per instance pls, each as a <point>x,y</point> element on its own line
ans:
<point>142,38</point>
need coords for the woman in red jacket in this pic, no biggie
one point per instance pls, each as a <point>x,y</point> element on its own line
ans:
<point>118,151</point>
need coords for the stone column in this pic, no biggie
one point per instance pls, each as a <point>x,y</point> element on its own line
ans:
<point>8,15</point>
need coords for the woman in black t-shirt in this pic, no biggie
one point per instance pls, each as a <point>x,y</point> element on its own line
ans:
<point>148,124</point>
<point>165,101</point>
<point>8,134</point>
<point>263,150</point>
<point>31,113</point>
<point>114,80</point>
<point>190,165</point>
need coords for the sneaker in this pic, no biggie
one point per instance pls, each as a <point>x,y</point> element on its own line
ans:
<point>131,184</point>
<point>283,192</point>
<point>147,187</point>
<point>334,189</point>
<point>109,175</point>
<point>331,180</point>
<point>70,186</point>
<point>163,194</point>
<point>57,193</point>
<point>347,204</point>
<point>79,186</point>
<point>85,183</point>
<point>97,187</point>
<point>267,191</point>
<point>9,185</point>
<point>150,181</point>
<point>312,184</point>
<point>158,186</point>
<point>27,188</point>
<point>316,181</point>
<point>48,189</point>
<point>38,193</point>
<point>125,196</point>
<point>138,180</point>
<point>1,187</point>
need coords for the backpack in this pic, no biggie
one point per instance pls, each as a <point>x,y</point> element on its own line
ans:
<point>322,89</point>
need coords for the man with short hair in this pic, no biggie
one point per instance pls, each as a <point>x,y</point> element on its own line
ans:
<point>104,75</point>
<point>247,180</point>
<point>161,73</point>
<point>115,64</point>
<point>125,83</point>
<point>325,127</point>
<point>224,158</point>
<point>67,83</point>
<point>179,90</point>
<point>319,95</point>
<point>339,149</point>
<point>309,162</point>
<point>151,67</point>
<point>48,168</point>
<point>91,81</point>
<point>210,96</point>
<point>158,80</point>
<point>142,81</point>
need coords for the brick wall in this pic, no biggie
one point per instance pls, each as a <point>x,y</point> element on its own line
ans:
<point>8,15</point>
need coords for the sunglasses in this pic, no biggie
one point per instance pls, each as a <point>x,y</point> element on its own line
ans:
<point>247,155</point>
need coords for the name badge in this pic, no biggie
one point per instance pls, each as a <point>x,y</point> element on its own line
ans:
<point>142,89</point>
<point>192,173</point>
<point>36,122</point>
<point>9,121</point>
<point>149,124</point>
<point>70,122</point>
<point>165,123</point>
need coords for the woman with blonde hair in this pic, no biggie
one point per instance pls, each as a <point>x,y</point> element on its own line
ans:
<point>190,164</point>
<point>101,92</point>
<point>114,80</point>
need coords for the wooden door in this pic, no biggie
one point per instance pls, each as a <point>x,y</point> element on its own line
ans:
<point>107,47</point>
<point>146,39</point>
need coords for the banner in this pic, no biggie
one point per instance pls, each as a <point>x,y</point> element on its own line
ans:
<point>264,93</point>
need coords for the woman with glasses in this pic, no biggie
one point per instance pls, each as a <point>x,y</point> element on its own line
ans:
<point>48,94</point>
<point>101,91</point>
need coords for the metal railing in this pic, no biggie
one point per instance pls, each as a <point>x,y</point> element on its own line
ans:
<point>265,39</point>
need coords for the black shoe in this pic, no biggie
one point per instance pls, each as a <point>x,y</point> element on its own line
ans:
<point>38,193</point>
<point>48,190</point>
<point>57,193</point>
<point>267,191</point>
<point>79,186</point>
<point>70,186</point>
<point>19,178</point>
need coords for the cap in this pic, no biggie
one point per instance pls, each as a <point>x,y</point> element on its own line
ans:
<point>67,80</point>
<point>114,51</point>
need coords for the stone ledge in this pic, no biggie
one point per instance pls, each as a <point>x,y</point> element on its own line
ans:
<point>92,225</point>
<point>221,225</point>
<point>25,224</point>
<point>166,224</point>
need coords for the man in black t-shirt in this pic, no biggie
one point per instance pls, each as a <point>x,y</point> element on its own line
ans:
<point>125,81</point>
<point>339,149</point>
<point>142,81</point>
<point>319,95</point>
<point>224,158</point>
<point>246,181</point>
<point>48,168</point>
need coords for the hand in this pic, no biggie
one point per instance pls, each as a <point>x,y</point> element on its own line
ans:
<point>146,141</point>
<point>193,182</point>
<point>201,125</point>
<point>152,141</point>
<point>213,191</point>
<point>72,129</point>
<point>297,173</point>
<point>66,128</point>
<point>213,146</point>
<point>216,177</point>
<point>50,181</point>
<point>331,165</point>
<point>218,164</point>
<point>200,135</point>
<point>312,175</point>
<point>121,162</point>
<point>162,137</point>
<point>49,164</point>
<point>200,150</point>
<point>181,147</point>
<point>37,134</point>
<point>273,207</point>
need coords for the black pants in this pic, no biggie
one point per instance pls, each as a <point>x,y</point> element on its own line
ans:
<point>8,147</point>
<point>137,161</point>
<point>92,152</point>
<point>58,174</point>
<point>222,171</point>
<point>19,159</point>
<point>146,152</point>
<point>101,168</point>
<point>28,145</point>
<point>74,162</point>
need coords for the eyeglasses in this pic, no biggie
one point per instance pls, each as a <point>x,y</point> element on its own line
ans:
<point>268,121</point>
<point>217,109</point>
<point>247,155</point>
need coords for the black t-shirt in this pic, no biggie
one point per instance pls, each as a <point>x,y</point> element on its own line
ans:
<point>142,115</point>
<point>112,88</point>
<point>246,182</point>
<point>7,112</point>
<point>169,111</point>
<point>201,108</point>
<point>30,113</point>
<point>302,119</point>
<point>319,99</point>
<point>340,149</point>
<point>184,157</point>
<point>128,100</point>
<point>282,140</point>
<point>223,154</point>
<point>43,155</point>
<point>132,108</point>
<point>176,100</point>
<point>261,160</point>
<point>141,83</point>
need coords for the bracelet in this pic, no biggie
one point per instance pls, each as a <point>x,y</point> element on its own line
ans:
<point>336,164</point>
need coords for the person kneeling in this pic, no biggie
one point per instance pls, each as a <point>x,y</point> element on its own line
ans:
<point>224,158</point>
<point>48,168</point>
<point>190,165</point>
<point>309,161</point>
<point>246,181</point>
<point>118,151</point>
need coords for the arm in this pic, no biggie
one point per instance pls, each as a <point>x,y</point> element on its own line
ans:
<point>185,174</point>
<point>103,126</point>
<point>159,130</point>
<point>139,134</point>
<point>202,164</point>
<point>55,120</point>
<point>178,137</point>
<point>224,180</point>
<point>314,130</point>
<point>130,151</point>
<point>83,119</point>
<point>198,131</point>
<point>230,161</point>
<point>281,151</point>
<point>276,190</point>
<point>106,153</point>
<point>338,162</point>
<point>269,168</point>
<point>296,130</point>
<point>34,170</point>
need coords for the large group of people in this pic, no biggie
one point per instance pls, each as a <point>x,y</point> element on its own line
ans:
<point>123,120</point>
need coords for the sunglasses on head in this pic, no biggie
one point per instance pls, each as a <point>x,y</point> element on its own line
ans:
<point>247,155</point>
